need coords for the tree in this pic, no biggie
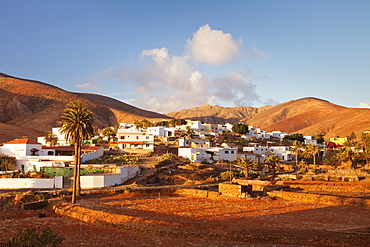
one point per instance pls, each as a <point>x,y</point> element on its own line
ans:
<point>7,163</point>
<point>365,139</point>
<point>312,150</point>
<point>189,132</point>
<point>110,133</point>
<point>319,138</point>
<point>239,128</point>
<point>296,149</point>
<point>273,160</point>
<point>295,137</point>
<point>51,138</point>
<point>246,163</point>
<point>77,125</point>
<point>163,123</point>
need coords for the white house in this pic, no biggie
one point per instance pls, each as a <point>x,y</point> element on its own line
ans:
<point>183,142</point>
<point>62,140</point>
<point>278,134</point>
<point>31,155</point>
<point>135,140</point>
<point>283,152</point>
<point>209,154</point>
<point>161,131</point>
<point>309,140</point>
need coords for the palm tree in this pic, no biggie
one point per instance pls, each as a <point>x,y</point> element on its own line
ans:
<point>296,149</point>
<point>110,133</point>
<point>51,138</point>
<point>77,126</point>
<point>189,132</point>
<point>7,163</point>
<point>312,150</point>
<point>273,160</point>
<point>246,163</point>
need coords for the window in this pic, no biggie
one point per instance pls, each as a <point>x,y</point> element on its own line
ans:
<point>226,152</point>
<point>137,137</point>
<point>147,137</point>
<point>122,137</point>
<point>232,152</point>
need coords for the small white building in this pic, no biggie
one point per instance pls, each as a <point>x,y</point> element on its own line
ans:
<point>195,143</point>
<point>161,131</point>
<point>283,152</point>
<point>308,140</point>
<point>62,140</point>
<point>135,140</point>
<point>212,154</point>
<point>31,155</point>
<point>278,134</point>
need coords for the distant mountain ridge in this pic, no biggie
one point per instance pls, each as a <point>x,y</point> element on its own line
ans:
<point>37,106</point>
<point>218,114</point>
<point>308,116</point>
<point>30,108</point>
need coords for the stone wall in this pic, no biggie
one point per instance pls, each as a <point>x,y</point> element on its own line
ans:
<point>324,199</point>
<point>235,189</point>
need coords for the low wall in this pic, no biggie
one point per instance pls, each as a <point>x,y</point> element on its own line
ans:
<point>88,181</point>
<point>324,199</point>
<point>235,190</point>
<point>35,183</point>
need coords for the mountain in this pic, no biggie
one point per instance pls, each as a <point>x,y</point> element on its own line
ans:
<point>308,116</point>
<point>218,114</point>
<point>31,108</point>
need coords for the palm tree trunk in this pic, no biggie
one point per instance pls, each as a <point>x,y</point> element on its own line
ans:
<point>74,188</point>
<point>78,181</point>
<point>314,163</point>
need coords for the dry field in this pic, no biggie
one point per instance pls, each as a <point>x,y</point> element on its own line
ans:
<point>176,220</point>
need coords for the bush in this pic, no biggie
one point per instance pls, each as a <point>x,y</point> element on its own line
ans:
<point>36,237</point>
<point>165,157</point>
<point>227,174</point>
<point>119,160</point>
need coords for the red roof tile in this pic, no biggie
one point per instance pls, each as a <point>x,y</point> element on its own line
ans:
<point>22,141</point>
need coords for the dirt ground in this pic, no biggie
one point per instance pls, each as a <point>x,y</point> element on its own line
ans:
<point>176,220</point>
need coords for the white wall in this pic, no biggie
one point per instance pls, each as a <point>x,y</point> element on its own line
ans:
<point>36,183</point>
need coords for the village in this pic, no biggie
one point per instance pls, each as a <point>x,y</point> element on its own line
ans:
<point>194,162</point>
<point>293,156</point>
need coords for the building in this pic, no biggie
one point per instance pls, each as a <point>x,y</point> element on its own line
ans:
<point>135,140</point>
<point>31,155</point>
<point>161,131</point>
<point>209,154</point>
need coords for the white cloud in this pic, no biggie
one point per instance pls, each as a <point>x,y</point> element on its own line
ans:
<point>363,105</point>
<point>213,47</point>
<point>166,83</point>
<point>257,53</point>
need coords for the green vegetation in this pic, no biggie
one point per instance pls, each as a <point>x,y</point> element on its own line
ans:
<point>51,138</point>
<point>36,237</point>
<point>165,157</point>
<point>228,175</point>
<point>77,125</point>
<point>110,133</point>
<point>246,164</point>
<point>294,137</point>
<point>239,128</point>
<point>7,163</point>
<point>118,160</point>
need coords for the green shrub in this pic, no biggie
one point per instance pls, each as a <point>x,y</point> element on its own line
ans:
<point>36,237</point>
<point>227,174</point>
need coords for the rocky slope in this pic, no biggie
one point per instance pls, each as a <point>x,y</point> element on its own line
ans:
<point>308,116</point>
<point>31,107</point>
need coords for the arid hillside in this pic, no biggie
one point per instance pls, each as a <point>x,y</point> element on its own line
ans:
<point>218,114</point>
<point>29,108</point>
<point>311,116</point>
<point>308,116</point>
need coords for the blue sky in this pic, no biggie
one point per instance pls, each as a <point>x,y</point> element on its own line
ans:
<point>171,55</point>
